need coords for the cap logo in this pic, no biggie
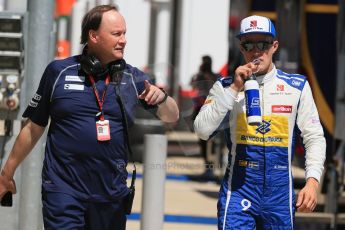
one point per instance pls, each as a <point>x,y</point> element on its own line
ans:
<point>253,23</point>
<point>256,24</point>
<point>253,26</point>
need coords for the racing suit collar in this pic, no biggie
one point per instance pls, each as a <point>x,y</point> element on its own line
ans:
<point>262,79</point>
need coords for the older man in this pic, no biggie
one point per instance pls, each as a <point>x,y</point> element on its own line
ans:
<point>89,99</point>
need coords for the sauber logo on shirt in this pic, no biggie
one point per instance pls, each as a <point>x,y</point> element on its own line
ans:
<point>253,23</point>
<point>280,87</point>
<point>281,108</point>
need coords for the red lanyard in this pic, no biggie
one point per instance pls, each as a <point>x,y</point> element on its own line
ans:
<point>99,100</point>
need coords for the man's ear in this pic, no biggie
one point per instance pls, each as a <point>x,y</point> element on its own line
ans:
<point>93,36</point>
<point>275,45</point>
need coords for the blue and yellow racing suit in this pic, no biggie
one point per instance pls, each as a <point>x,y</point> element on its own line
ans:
<point>257,189</point>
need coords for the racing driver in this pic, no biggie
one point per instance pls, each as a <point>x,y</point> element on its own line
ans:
<point>257,190</point>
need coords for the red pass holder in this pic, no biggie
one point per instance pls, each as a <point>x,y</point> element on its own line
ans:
<point>103,130</point>
<point>102,126</point>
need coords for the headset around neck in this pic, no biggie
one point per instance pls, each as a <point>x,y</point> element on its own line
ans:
<point>91,65</point>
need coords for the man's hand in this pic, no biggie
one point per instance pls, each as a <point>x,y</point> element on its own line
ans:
<point>6,184</point>
<point>307,197</point>
<point>152,94</point>
<point>241,74</point>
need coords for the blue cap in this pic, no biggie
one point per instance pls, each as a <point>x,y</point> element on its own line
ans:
<point>257,25</point>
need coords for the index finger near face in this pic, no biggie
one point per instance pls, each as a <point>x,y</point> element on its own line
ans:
<point>246,73</point>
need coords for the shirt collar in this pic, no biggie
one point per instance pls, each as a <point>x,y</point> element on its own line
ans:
<point>266,77</point>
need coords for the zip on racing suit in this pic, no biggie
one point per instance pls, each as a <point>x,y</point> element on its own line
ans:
<point>257,189</point>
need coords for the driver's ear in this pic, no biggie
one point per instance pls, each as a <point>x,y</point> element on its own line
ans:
<point>275,45</point>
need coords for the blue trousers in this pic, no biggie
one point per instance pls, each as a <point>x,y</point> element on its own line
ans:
<point>64,212</point>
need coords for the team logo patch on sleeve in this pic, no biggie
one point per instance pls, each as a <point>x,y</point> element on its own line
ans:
<point>37,97</point>
<point>34,100</point>
<point>315,120</point>
<point>33,104</point>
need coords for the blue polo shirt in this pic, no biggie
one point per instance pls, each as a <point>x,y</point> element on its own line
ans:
<point>75,162</point>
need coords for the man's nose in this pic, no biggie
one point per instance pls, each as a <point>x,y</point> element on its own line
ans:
<point>123,39</point>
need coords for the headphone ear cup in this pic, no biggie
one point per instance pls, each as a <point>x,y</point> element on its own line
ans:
<point>91,65</point>
<point>117,66</point>
<point>115,69</point>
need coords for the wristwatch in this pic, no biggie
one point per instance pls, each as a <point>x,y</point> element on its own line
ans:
<point>165,97</point>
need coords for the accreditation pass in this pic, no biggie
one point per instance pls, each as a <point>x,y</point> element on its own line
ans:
<point>103,130</point>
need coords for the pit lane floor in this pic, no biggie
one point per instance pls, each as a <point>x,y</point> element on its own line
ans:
<point>190,200</point>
